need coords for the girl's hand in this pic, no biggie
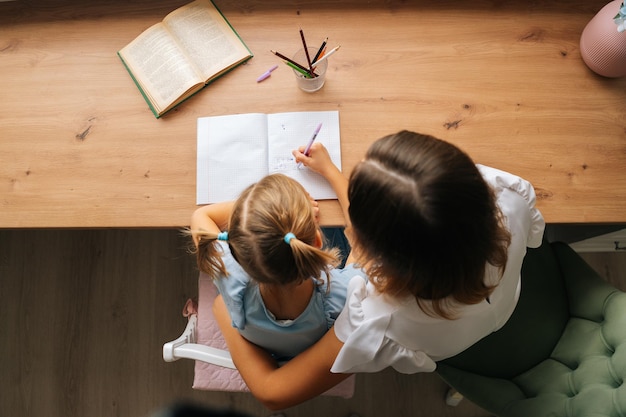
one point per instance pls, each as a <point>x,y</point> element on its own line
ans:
<point>316,208</point>
<point>318,159</point>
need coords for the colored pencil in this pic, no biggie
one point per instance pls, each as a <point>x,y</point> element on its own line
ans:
<point>320,51</point>
<point>332,51</point>
<point>278,54</point>
<point>306,50</point>
<point>300,70</point>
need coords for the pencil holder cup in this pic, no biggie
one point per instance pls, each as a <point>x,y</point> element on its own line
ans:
<point>304,80</point>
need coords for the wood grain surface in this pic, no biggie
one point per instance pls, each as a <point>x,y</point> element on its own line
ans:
<point>503,80</point>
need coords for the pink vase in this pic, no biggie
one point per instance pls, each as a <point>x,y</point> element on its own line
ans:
<point>602,47</point>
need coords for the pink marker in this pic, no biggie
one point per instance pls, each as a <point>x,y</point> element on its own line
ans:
<point>308,145</point>
<point>266,74</point>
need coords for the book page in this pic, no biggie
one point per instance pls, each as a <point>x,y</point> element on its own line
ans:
<point>232,154</point>
<point>289,131</point>
<point>160,66</point>
<point>210,42</point>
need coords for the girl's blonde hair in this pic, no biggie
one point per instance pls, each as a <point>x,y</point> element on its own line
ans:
<point>272,234</point>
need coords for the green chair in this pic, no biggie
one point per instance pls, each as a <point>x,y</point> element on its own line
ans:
<point>562,352</point>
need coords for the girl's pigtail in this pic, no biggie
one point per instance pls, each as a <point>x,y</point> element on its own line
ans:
<point>209,253</point>
<point>311,261</point>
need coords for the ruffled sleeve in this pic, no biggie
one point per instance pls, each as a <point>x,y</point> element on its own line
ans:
<point>500,181</point>
<point>334,298</point>
<point>233,288</point>
<point>366,345</point>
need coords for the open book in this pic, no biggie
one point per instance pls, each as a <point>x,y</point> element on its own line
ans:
<point>176,58</point>
<point>235,151</point>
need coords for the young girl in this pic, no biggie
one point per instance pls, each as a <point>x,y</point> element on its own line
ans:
<point>264,252</point>
<point>442,240</point>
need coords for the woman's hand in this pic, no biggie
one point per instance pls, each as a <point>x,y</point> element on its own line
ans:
<point>318,160</point>
<point>302,378</point>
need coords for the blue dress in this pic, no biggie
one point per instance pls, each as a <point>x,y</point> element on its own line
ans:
<point>284,339</point>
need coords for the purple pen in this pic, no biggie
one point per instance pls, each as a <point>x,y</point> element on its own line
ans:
<point>308,145</point>
<point>266,74</point>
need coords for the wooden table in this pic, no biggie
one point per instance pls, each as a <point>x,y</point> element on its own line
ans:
<point>502,80</point>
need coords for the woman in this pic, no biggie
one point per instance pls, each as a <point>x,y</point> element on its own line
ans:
<point>442,241</point>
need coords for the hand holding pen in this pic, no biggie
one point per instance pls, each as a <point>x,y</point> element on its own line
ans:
<point>316,159</point>
<point>319,161</point>
<point>307,149</point>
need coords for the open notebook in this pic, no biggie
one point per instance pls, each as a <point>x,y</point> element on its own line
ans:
<point>237,150</point>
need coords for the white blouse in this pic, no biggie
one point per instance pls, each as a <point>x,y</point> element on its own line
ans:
<point>379,331</point>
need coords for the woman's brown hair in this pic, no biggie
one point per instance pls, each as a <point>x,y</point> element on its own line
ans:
<point>426,221</point>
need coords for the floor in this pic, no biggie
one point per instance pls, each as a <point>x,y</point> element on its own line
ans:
<point>85,313</point>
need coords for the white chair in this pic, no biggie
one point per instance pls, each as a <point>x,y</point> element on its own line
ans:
<point>202,341</point>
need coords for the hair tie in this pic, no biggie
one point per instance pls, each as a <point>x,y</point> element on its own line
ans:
<point>222,236</point>
<point>288,237</point>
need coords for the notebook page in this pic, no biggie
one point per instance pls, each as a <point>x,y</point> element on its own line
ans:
<point>231,155</point>
<point>289,131</point>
